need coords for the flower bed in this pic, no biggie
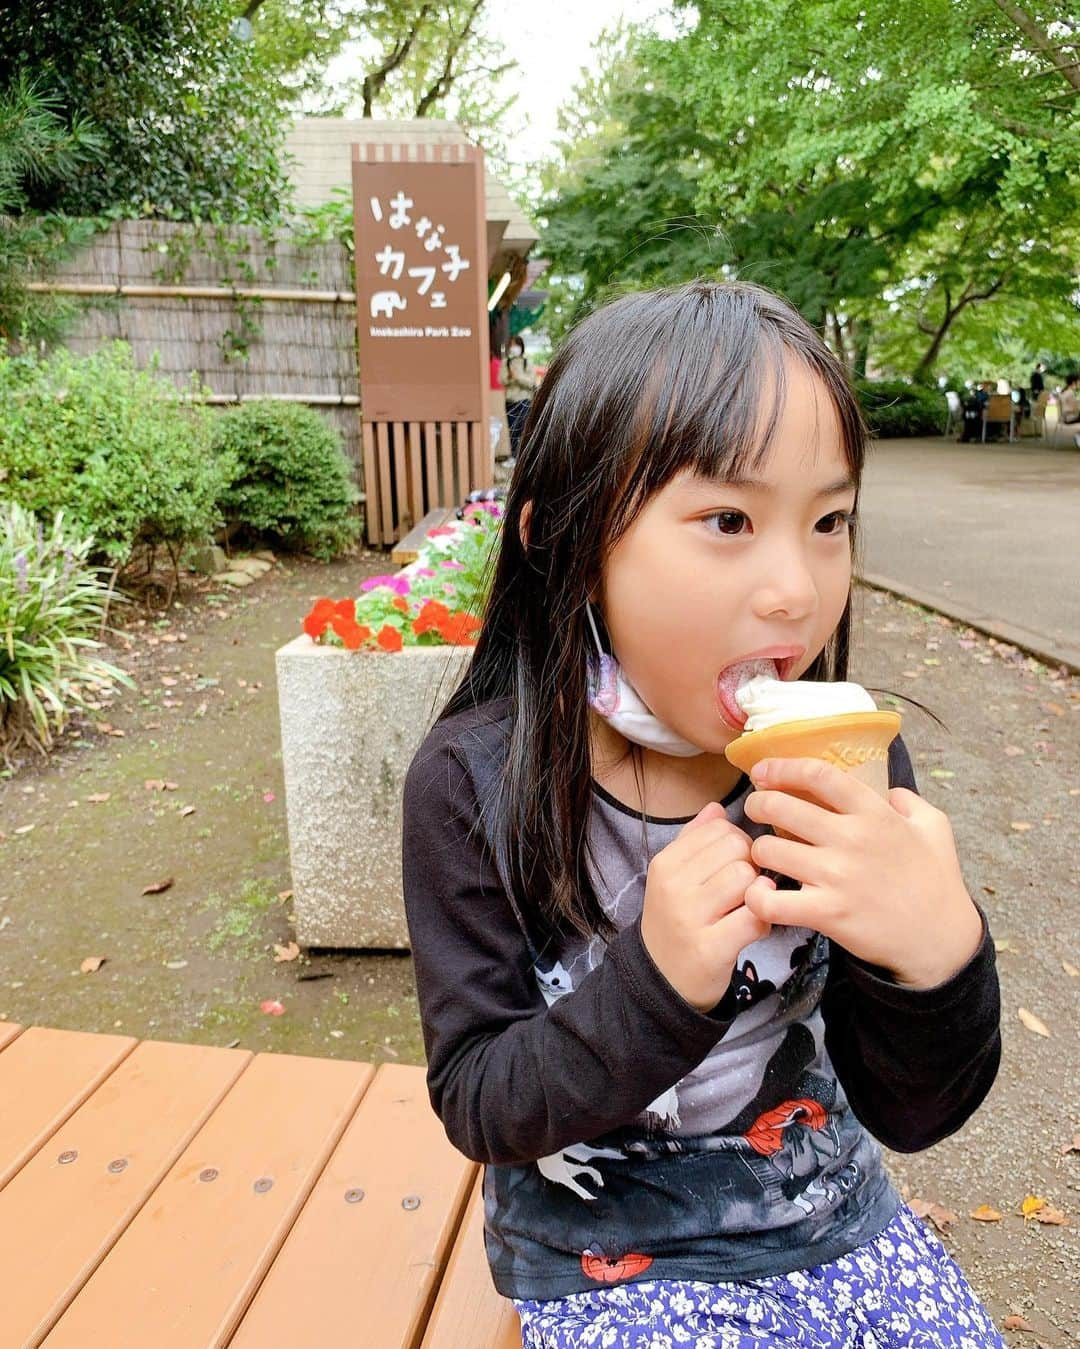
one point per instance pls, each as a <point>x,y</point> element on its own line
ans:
<point>357,692</point>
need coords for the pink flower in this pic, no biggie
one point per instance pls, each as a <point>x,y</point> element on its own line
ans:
<point>449,590</point>
<point>451,565</point>
<point>271,1007</point>
<point>400,584</point>
<point>425,571</point>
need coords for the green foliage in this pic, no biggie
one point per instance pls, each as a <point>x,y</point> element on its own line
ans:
<point>191,127</point>
<point>291,478</point>
<point>893,407</point>
<point>905,176</point>
<point>35,148</point>
<point>51,600</point>
<point>119,450</point>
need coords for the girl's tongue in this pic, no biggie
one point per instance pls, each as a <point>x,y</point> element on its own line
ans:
<point>733,678</point>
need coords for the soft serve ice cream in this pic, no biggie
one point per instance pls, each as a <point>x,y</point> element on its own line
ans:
<point>837,722</point>
<point>768,702</point>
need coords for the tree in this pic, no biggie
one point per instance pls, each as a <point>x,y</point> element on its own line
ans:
<point>36,148</point>
<point>894,171</point>
<point>190,127</point>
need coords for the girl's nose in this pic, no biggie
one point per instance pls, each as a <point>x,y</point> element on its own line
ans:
<point>788,589</point>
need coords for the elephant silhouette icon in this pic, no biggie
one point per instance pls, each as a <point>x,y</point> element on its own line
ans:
<point>386,302</point>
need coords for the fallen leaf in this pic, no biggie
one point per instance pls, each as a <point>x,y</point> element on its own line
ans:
<point>1074,1146</point>
<point>23,829</point>
<point>169,681</point>
<point>985,1214</point>
<point>1070,969</point>
<point>289,952</point>
<point>1074,791</point>
<point>1012,751</point>
<point>92,963</point>
<point>175,964</point>
<point>1019,825</point>
<point>1033,1023</point>
<point>942,1218</point>
<point>1031,1205</point>
<point>1017,1323</point>
<point>942,773</point>
<point>283,895</point>
<point>154,784</point>
<point>171,786</point>
<point>1056,708</point>
<point>1052,1217</point>
<point>271,1007</point>
<point>1002,944</point>
<point>158,886</point>
<point>99,797</point>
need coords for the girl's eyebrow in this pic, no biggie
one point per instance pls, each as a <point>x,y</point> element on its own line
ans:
<point>845,484</point>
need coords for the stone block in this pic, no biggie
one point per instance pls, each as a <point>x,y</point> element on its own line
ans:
<point>351,722</point>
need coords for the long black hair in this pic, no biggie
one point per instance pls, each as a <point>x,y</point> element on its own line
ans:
<point>646,386</point>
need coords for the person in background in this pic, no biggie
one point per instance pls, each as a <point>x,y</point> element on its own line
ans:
<point>520,382</point>
<point>1037,381</point>
<point>1069,398</point>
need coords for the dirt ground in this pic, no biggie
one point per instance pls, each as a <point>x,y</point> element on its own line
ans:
<point>180,781</point>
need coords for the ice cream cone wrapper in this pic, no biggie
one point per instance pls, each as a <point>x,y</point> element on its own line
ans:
<point>856,742</point>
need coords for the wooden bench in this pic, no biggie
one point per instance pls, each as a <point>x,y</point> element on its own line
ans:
<point>407,550</point>
<point>182,1195</point>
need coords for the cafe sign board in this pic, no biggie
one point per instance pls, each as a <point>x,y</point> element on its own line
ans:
<point>421,282</point>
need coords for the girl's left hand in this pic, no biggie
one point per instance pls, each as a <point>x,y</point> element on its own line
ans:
<point>880,877</point>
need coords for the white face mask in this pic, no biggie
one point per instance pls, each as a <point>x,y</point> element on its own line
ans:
<point>614,698</point>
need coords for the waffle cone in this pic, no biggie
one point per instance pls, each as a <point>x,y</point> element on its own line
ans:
<point>856,742</point>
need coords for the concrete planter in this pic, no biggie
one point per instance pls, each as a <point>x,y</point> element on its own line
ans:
<point>351,722</point>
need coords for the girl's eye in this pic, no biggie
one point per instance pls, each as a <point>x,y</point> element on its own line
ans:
<point>842,519</point>
<point>727,517</point>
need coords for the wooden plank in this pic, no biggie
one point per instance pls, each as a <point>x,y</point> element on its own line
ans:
<point>416,482</point>
<point>45,1075</point>
<point>402,505</point>
<point>58,1220</point>
<point>373,502</point>
<point>184,1271</point>
<point>465,483</point>
<point>379,1258</point>
<point>431,465</point>
<point>408,549</point>
<point>469,1310</point>
<point>9,1030</point>
<point>382,440</point>
<point>446,463</point>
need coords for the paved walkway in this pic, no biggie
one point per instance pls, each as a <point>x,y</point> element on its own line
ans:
<point>985,533</point>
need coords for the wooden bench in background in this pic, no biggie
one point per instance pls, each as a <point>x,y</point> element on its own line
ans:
<point>181,1196</point>
<point>407,550</point>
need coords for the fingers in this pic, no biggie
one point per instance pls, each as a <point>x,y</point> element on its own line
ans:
<point>824,782</point>
<point>802,818</point>
<point>803,862</point>
<point>787,908</point>
<point>739,928</point>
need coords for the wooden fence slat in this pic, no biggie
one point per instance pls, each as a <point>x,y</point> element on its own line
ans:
<point>382,439</point>
<point>59,1221</point>
<point>431,465</point>
<point>464,480</point>
<point>446,461</point>
<point>187,1266</point>
<point>416,484</point>
<point>45,1075</point>
<point>379,1259</point>
<point>402,507</point>
<point>469,1310</point>
<point>372,486</point>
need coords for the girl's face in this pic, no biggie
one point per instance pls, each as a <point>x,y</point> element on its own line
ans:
<point>710,573</point>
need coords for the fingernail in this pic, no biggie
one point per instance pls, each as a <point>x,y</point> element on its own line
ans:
<point>760,771</point>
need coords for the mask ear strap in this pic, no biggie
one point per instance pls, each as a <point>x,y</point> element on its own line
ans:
<point>592,624</point>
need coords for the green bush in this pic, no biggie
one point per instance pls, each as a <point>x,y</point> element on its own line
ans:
<point>119,450</point>
<point>292,479</point>
<point>51,600</point>
<point>892,407</point>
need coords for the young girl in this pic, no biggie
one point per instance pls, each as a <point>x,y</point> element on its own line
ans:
<point>667,1032</point>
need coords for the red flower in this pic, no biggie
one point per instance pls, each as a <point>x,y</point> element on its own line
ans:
<point>460,629</point>
<point>440,529</point>
<point>389,638</point>
<point>401,603</point>
<point>431,616</point>
<point>346,609</point>
<point>316,621</point>
<point>352,634</point>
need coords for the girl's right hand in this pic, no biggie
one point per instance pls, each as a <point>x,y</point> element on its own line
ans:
<point>693,922</point>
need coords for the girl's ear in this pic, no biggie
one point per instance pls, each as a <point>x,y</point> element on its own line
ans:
<point>523,524</point>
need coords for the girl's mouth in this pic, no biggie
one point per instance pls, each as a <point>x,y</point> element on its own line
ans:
<point>734,677</point>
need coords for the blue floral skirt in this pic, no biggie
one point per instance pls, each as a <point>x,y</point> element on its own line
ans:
<point>902,1288</point>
